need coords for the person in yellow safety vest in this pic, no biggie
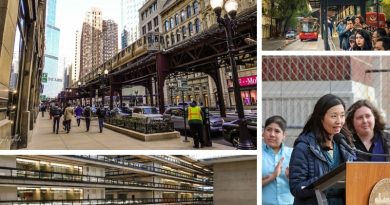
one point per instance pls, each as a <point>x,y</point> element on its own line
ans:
<point>195,120</point>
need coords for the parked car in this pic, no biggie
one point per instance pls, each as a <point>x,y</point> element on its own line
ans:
<point>290,35</point>
<point>230,131</point>
<point>119,112</point>
<point>175,115</point>
<point>146,112</point>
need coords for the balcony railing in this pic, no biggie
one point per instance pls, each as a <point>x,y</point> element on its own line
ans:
<point>195,201</point>
<point>14,173</point>
<point>139,166</point>
<point>176,161</point>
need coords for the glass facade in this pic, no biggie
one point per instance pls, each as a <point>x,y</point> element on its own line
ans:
<point>54,84</point>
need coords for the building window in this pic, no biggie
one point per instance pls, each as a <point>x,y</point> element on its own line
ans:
<point>167,40</point>
<point>188,11</point>
<point>183,16</point>
<point>172,38</point>
<point>197,26</point>
<point>183,32</point>
<point>166,25</point>
<point>149,25</point>
<point>172,22</point>
<point>177,19</point>
<point>196,7</point>
<point>190,29</point>
<point>155,21</point>
<point>177,35</point>
<point>143,30</point>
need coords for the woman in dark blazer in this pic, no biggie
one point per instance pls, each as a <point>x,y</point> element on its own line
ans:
<point>315,152</point>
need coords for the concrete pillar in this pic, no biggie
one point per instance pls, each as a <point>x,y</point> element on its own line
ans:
<point>8,21</point>
<point>235,183</point>
<point>25,78</point>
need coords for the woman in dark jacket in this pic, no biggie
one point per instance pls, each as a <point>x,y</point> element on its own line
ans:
<point>315,152</point>
<point>367,127</point>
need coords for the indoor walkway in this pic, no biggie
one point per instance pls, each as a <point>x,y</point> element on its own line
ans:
<point>78,139</point>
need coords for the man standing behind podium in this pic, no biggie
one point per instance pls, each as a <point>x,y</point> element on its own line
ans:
<point>315,152</point>
<point>367,127</point>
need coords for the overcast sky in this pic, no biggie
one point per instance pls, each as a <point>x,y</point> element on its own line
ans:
<point>70,16</point>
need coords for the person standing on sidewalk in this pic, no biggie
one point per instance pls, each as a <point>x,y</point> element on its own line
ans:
<point>101,113</point>
<point>68,114</point>
<point>78,112</point>
<point>195,120</point>
<point>87,116</point>
<point>56,113</point>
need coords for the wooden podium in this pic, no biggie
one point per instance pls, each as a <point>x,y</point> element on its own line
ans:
<point>358,179</point>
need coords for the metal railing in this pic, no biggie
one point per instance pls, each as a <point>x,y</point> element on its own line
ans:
<point>14,173</point>
<point>197,201</point>
<point>176,161</point>
<point>141,125</point>
<point>138,166</point>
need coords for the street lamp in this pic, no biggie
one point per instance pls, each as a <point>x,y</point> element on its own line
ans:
<point>102,83</point>
<point>229,23</point>
<point>135,101</point>
<point>171,86</point>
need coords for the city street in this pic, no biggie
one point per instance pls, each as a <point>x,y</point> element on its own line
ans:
<point>78,139</point>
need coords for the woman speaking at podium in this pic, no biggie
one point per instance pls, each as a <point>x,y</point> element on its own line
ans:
<point>315,152</point>
<point>367,127</point>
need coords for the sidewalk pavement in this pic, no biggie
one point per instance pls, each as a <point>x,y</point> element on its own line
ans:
<point>78,139</point>
<point>276,43</point>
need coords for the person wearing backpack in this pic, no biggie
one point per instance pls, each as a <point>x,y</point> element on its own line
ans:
<point>56,113</point>
<point>87,116</point>
<point>101,114</point>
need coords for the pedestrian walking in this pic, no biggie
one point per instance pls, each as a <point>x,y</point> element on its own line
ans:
<point>56,113</point>
<point>101,113</point>
<point>78,111</point>
<point>87,116</point>
<point>43,109</point>
<point>195,120</point>
<point>68,114</point>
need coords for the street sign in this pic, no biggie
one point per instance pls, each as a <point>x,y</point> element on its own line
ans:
<point>182,84</point>
<point>44,77</point>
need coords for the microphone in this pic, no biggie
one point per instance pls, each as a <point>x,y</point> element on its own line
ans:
<point>340,139</point>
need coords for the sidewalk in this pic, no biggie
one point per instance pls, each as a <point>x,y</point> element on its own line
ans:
<point>78,139</point>
<point>276,43</point>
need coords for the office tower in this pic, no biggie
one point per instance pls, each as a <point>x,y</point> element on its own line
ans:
<point>130,20</point>
<point>110,39</point>
<point>54,82</point>
<point>91,49</point>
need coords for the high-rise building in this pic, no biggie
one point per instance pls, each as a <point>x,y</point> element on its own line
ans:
<point>130,20</point>
<point>91,49</point>
<point>110,39</point>
<point>76,63</point>
<point>54,82</point>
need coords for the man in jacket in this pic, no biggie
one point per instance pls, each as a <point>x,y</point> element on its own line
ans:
<point>56,113</point>
<point>101,113</point>
<point>87,116</point>
<point>68,114</point>
<point>349,30</point>
<point>195,120</point>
